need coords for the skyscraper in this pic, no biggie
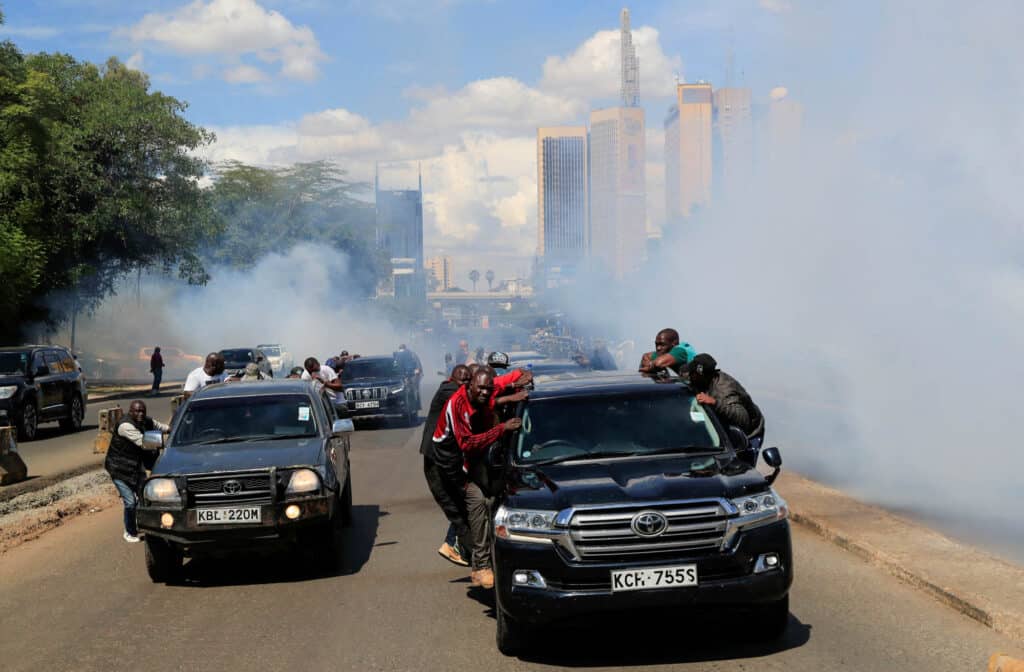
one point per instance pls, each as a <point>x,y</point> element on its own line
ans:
<point>688,144</point>
<point>782,128</point>
<point>400,235</point>
<point>563,216</point>
<point>734,157</point>
<point>618,185</point>
<point>440,269</point>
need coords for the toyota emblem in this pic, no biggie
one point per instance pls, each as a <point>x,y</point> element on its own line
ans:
<point>649,523</point>
<point>231,487</point>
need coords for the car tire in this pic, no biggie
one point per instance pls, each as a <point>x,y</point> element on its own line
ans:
<point>772,620</point>
<point>346,502</point>
<point>28,421</point>
<point>511,636</point>
<point>76,415</point>
<point>163,560</point>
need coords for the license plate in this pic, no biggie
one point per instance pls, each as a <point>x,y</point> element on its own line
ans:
<point>234,515</point>
<point>656,577</point>
<point>367,404</point>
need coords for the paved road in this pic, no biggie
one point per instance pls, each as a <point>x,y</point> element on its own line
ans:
<point>55,451</point>
<point>79,599</point>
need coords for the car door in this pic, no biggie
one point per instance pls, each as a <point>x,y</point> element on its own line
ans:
<point>337,446</point>
<point>51,384</point>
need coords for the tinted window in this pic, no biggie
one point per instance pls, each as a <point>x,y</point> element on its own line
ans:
<point>271,351</point>
<point>555,428</point>
<point>13,363</point>
<point>246,418</point>
<point>370,368</point>
<point>37,362</point>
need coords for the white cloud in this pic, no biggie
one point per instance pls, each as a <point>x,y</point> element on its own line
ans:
<point>592,71</point>
<point>234,28</point>
<point>136,61</point>
<point>244,74</point>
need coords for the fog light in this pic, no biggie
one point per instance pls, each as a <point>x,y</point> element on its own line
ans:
<point>166,520</point>
<point>292,512</point>
<point>528,578</point>
<point>766,562</point>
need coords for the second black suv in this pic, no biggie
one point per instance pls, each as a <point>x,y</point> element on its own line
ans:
<point>378,387</point>
<point>621,493</point>
<point>41,383</point>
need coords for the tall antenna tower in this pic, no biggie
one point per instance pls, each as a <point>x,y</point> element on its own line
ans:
<point>630,91</point>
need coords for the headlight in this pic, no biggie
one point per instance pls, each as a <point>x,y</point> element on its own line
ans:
<point>303,480</point>
<point>7,391</point>
<point>760,509</point>
<point>163,490</point>
<point>397,390</point>
<point>522,521</point>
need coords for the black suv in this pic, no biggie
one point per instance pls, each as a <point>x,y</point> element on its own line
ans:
<point>248,464</point>
<point>41,383</point>
<point>379,387</point>
<point>621,492</point>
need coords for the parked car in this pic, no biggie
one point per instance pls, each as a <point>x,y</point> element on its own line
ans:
<point>622,493</point>
<point>279,358</point>
<point>247,465</point>
<point>41,383</point>
<point>377,387</point>
<point>236,359</point>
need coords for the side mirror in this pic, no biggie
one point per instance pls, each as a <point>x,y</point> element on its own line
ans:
<point>342,427</point>
<point>772,457</point>
<point>153,440</point>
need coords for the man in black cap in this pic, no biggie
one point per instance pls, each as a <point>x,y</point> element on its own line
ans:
<point>725,394</point>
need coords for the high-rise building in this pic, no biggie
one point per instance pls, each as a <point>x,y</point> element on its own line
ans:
<point>782,127</point>
<point>688,150</point>
<point>734,158</point>
<point>440,269</point>
<point>563,217</point>
<point>618,184</point>
<point>400,235</point>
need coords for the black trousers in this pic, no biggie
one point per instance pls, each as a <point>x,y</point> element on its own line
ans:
<point>451,497</point>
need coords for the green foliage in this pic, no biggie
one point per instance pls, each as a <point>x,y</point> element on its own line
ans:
<point>270,210</point>
<point>98,178</point>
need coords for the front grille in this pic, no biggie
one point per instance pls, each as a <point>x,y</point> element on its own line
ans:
<point>253,488</point>
<point>605,534</point>
<point>366,393</point>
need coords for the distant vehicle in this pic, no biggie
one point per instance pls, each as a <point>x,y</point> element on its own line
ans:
<point>248,465</point>
<point>177,362</point>
<point>41,383</point>
<point>525,355</point>
<point>377,387</point>
<point>236,359</point>
<point>279,358</point>
<point>622,493</point>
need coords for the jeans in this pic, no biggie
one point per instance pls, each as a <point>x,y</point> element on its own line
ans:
<point>158,376</point>
<point>450,498</point>
<point>131,501</point>
<point>478,506</point>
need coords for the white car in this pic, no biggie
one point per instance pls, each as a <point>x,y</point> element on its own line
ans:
<point>279,358</point>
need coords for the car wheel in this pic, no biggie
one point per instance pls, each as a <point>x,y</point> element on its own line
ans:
<point>772,620</point>
<point>28,423</point>
<point>73,422</point>
<point>163,560</point>
<point>511,636</point>
<point>346,502</point>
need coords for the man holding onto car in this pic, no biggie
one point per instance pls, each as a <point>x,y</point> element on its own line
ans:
<point>324,375</point>
<point>730,400</point>
<point>668,353</point>
<point>212,371</point>
<point>127,460</point>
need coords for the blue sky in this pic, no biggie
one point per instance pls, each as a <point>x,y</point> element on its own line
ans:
<point>456,85</point>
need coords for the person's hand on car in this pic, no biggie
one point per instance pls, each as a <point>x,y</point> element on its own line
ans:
<point>513,424</point>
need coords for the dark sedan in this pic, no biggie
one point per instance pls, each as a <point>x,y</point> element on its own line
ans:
<point>248,464</point>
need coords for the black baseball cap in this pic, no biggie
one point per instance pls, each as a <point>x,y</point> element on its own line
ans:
<point>498,360</point>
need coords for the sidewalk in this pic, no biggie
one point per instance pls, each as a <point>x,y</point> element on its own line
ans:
<point>981,586</point>
<point>106,393</point>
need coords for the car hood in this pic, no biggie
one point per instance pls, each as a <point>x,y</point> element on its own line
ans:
<point>372,382</point>
<point>238,456</point>
<point>621,481</point>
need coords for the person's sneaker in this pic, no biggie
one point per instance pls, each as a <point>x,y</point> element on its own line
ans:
<point>452,555</point>
<point>482,577</point>
<point>131,538</point>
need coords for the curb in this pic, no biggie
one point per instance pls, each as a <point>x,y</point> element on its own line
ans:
<point>903,548</point>
<point>124,393</point>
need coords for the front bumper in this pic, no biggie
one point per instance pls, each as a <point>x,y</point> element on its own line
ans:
<point>577,590</point>
<point>274,526</point>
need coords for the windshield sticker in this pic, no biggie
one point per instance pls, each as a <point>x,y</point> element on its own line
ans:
<point>303,413</point>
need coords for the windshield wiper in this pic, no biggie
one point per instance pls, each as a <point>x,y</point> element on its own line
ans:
<point>683,450</point>
<point>277,437</point>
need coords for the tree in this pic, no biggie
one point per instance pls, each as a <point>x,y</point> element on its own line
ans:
<point>98,178</point>
<point>474,276</point>
<point>490,280</point>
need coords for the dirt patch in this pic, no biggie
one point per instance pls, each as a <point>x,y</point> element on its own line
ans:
<point>27,516</point>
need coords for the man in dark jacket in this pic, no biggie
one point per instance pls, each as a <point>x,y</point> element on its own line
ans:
<point>156,367</point>
<point>126,459</point>
<point>446,485</point>
<point>725,394</point>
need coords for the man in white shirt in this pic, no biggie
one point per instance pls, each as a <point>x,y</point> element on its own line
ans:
<point>210,372</point>
<point>323,374</point>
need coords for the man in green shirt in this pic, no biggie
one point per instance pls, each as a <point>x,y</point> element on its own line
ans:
<point>668,353</point>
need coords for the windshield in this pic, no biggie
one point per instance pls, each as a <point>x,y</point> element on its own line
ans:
<point>14,363</point>
<point>593,426</point>
<point>238,355</point>
<point>270,350</point>
<point>369,368</point>
<point>246,418</point>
